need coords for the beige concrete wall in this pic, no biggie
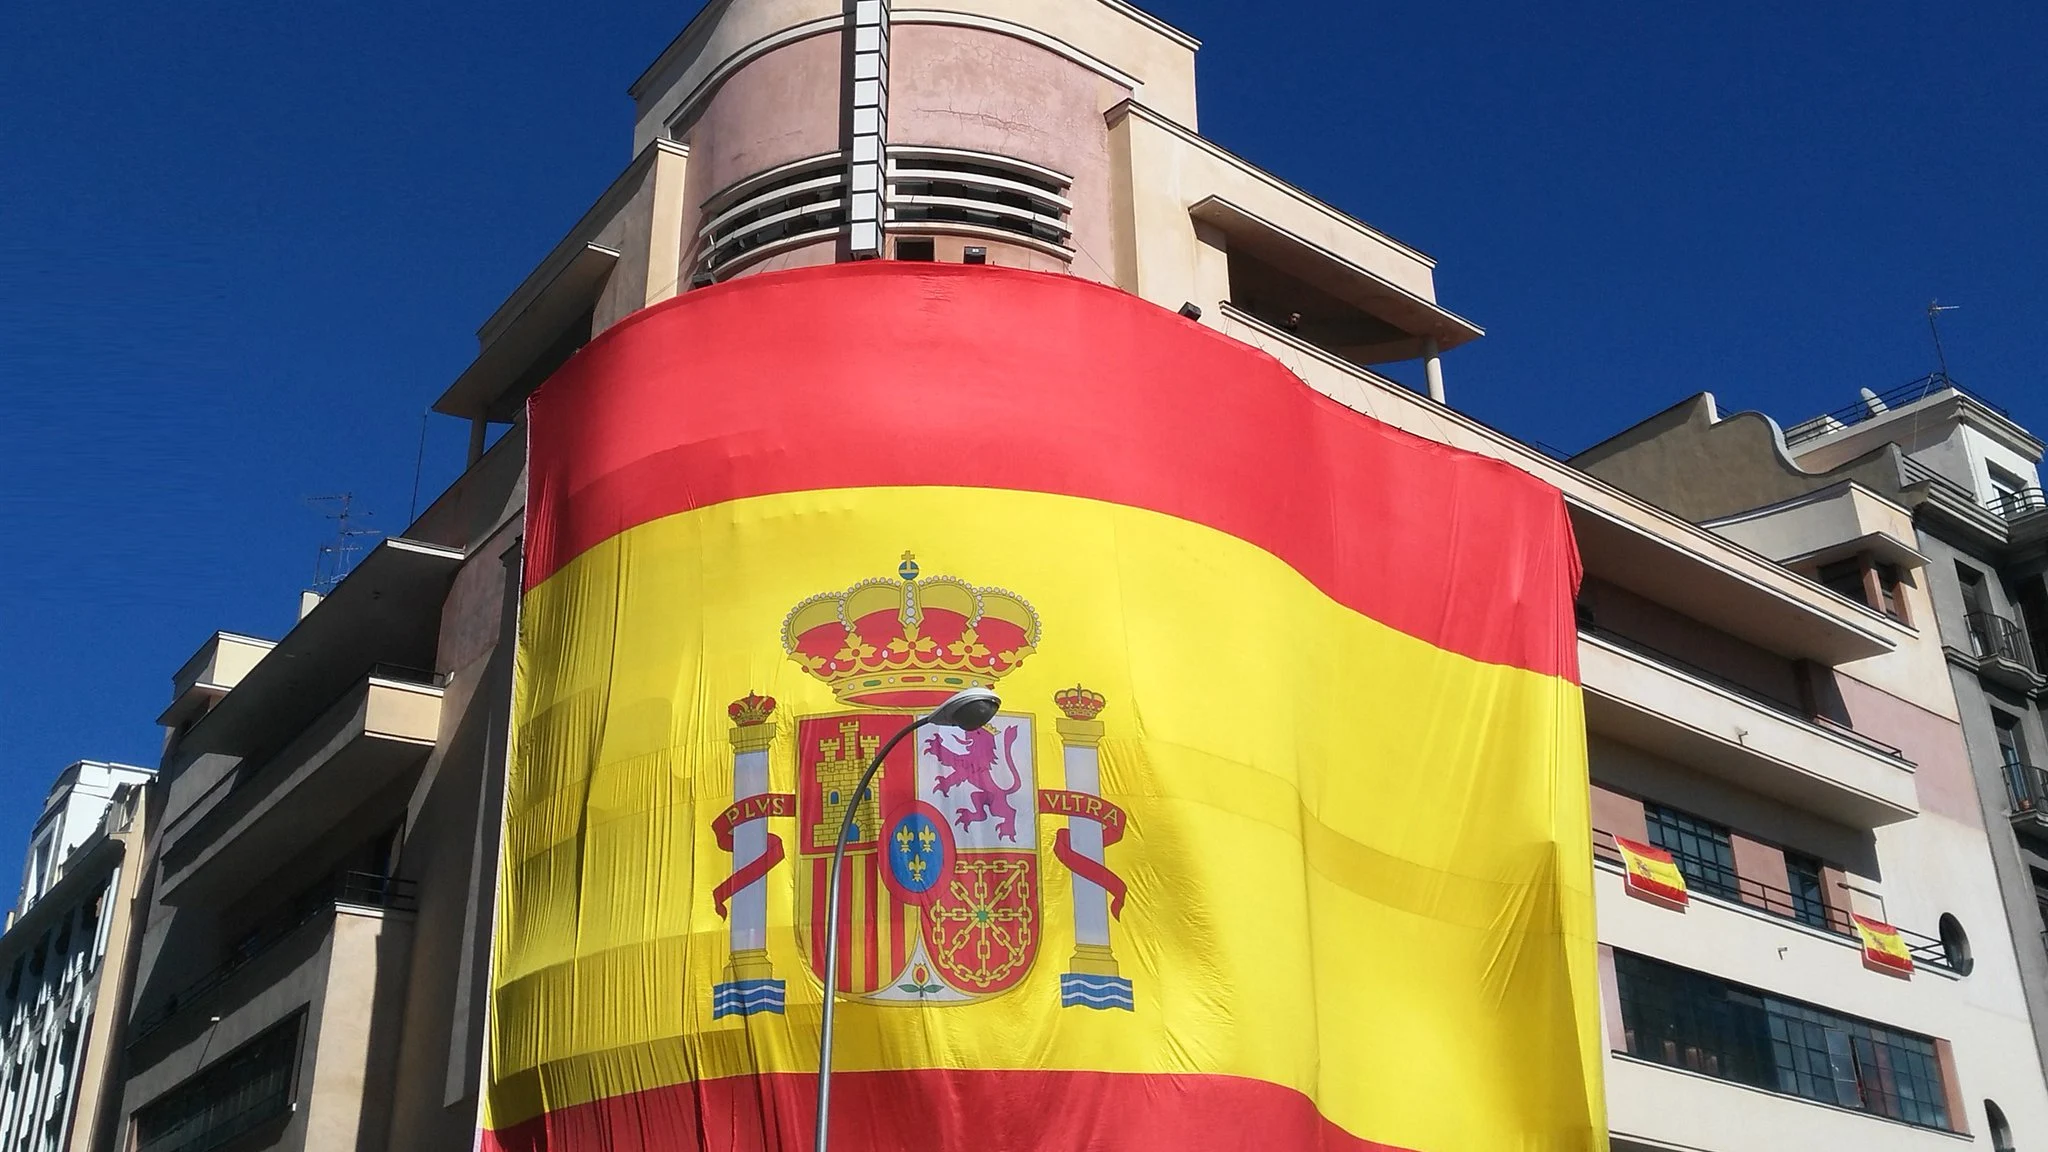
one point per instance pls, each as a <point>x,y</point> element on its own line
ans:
<point>97,1100</point>
<point>1844,512</point>
<point>402,711</point>
<point>1178,170</point>
<point>1732,737</point>
<point>666,212</point>
<point>628,233</point>
<point>347,1095</point>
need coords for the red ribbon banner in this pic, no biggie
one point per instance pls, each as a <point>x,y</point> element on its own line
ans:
<point>1087,806</point>
<point>746,812</point>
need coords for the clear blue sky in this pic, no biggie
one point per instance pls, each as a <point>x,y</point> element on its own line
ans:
<point>243,246</point>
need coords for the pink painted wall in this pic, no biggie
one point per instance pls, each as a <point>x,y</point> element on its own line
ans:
<point>1762,863</point>
<point>1933,743</point>
<point>968,88</point>
<point>781,107</point>
<point>1619,815</point>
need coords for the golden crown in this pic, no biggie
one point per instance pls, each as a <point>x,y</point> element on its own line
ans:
<point>910,641</point>
<point>1079,703</point>
<point>751,710</point>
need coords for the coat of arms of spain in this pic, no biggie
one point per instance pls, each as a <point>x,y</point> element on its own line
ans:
<point>941,901</point>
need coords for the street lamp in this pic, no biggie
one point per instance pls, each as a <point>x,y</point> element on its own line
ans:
<point>968,709</point>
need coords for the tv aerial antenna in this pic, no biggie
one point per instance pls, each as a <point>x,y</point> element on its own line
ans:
<point>1934,310</point>
<point>338,555</point>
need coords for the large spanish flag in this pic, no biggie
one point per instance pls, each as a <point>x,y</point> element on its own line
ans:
<point>1279,841</point>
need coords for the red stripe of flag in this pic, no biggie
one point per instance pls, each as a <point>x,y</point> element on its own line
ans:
<point>986,1111</point>
<point>886,374</point>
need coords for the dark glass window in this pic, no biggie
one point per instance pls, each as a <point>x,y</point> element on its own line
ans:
<point>1845,577</point>
<point>234,1095</point>
<point>1687,1019</point>
<point>2020,780</point>
<point>1803,878</point>
<point>1701,850</point>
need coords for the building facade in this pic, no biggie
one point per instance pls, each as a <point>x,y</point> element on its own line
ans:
<point>317,942</point>
<point>1923,503</point>
<point>65,954</point>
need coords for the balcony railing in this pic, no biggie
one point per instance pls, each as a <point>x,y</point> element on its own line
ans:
<point>364,888</point>
<point>1754,695</point>
<point>1932,384</point>
<point>1993,637</point>
<point>2026,785</point>
<point>1812,911</point>
<point>2019,505</point>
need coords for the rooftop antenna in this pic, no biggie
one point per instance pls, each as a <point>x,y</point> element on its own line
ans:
<point>339,555</point>
<point>1934,310</point>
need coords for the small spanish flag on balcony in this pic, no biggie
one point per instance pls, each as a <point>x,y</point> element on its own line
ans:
<point>1883,948</point>
<point>1651,873</point>
<point>1278,840</point>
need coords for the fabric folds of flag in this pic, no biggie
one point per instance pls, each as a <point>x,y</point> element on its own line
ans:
<point>1279,840</point>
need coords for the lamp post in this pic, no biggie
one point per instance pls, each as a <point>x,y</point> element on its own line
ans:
<point>969,708</point>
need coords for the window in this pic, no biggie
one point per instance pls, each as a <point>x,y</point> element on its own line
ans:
<point>1702,850</point>
<point>1845,577</point>
<point>1976,598</point>
<point>89,919</point>
<point>1687,1019</point>
<point>914,248</point>
<point>235,1094</point>
<point>1866,581</point>
<point>1804,877</point>
<point>2008,491</point>
<point>1891,599</point>
<point>2020,780</point>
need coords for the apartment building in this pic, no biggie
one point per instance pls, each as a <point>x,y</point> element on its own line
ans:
<point>1923,502</point>
<point>66,957</point>
<point>313,968</point>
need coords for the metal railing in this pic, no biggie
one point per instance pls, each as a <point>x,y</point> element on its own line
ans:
<point>2020,504</point>
<point>1812,911</point>
<point>406,675</point>
<point>365,888</point>
<point>1912,392</point>
<point>1994,637</point>
<point>1754,695</point>
<point>2026,785</point>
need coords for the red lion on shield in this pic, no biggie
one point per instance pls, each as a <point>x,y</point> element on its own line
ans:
<point>975,765</point>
